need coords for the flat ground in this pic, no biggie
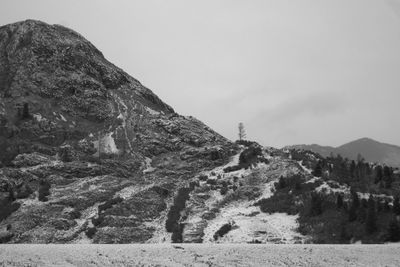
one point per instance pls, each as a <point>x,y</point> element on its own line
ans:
<point>199,255</point>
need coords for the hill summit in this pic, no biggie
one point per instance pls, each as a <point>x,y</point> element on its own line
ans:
<point>369,149</point>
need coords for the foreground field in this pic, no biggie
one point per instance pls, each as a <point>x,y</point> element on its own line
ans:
<point>199,255</point>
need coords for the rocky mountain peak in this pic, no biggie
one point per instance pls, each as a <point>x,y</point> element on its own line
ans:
<point>56,88</point>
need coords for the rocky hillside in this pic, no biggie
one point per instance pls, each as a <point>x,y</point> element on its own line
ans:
<point>89,155</point>
<point>80,137</point>
<point>371,150</point>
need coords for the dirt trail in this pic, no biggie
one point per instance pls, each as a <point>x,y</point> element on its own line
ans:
<point>199,255</point>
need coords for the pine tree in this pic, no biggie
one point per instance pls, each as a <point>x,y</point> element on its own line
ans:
<point>339,201</point>
<point>379,174</point>
<point>317,170</point>
<point>355,204</point>
<point>353,169</point>
<point>25,111</point>
<point>394,231</point>
<point>282,183</point>
<point>355,199</point>
<point>316,204</point>
<point>370,225</point>
<point>352,213</point>
<point>242,132</point>
<point>387,176</point>
<point>396,206</point>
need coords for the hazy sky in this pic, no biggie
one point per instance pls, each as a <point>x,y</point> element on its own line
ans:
<point>304,71</point>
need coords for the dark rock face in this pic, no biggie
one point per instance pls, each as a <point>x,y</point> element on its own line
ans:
<point>76,132</point>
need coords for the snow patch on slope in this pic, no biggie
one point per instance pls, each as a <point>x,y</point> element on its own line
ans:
<point>251,224</point>
<point>152,111</point>
<point>149,168</point>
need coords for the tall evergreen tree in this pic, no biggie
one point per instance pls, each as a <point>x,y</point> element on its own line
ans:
<point>316,204</point>
<point>396,206</point>
<point>394,230</point>
<point>370,225</point>
<point>25,111</point>
<point>242,132</point>
<point>378,174</point>
<point>318,170</point>
<point>339,201</point>
<point>354,206</point>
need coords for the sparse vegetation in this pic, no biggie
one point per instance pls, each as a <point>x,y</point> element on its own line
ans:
<point>248,158</point>
<point>222,231</point>
<point>44,190</point>
<point>172,224</point>
<point>90,232</point>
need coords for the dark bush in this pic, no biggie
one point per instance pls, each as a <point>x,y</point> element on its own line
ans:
<point>44,190</point>
<point>215,154</point>
<point>174,214</point>
<point>7,208</point>
<point>161,191</point>
<point>25,112</point>
<point>249,156</point>
<point>6,237</point>
<point>281,183</point>
<point>222,231</point>
<point>193,185</point>
<point>90,232</point>
<point>203,177</point>
<point>109,203</point>
<point>316,204</point>
<point>223,190</point>
<point>75,214</point>
<point>24,191</point>
<point>212,181</point>
<point>176,236</point>
<point>394,231</point>
<point>97,221</point>
<point>232,168</point>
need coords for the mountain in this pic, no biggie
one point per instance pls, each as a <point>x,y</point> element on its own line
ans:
<point>371,150</point>
<point>77,131</point>
<point>90,155</point>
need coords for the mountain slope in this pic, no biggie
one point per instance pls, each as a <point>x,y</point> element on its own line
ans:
<point>371,150</point>
<point>83,141</point>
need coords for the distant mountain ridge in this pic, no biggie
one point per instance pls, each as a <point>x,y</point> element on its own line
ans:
<point>370,149</point>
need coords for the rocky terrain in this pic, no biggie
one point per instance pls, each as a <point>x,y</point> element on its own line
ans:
<point>80,139</point>
<point>90,155</point>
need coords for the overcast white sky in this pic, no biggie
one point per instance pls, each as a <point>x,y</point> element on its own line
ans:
<point>304,71</point>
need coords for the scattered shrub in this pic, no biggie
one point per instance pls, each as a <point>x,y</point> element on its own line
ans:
<point>7,208</point>
<point>90,232</point>
<point>222,231</point>
<point>223,190</point>
<point>232,168</point>
<point>172,224</point>
<point>249,156</point>
<point>394,231</point>
<point>44,190</point>
<point>203,177</point>
<point>97,221</point>
<point>176,236</point>
<point>212,181</point>
<point>109,203</point>
<point>161,191</point>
